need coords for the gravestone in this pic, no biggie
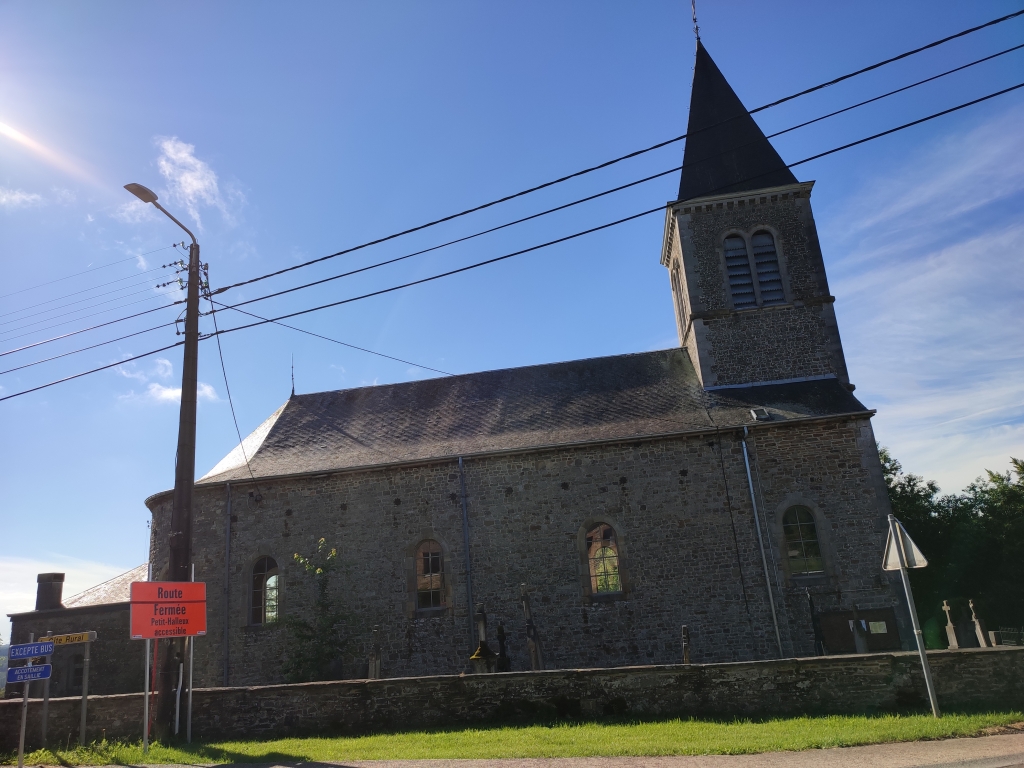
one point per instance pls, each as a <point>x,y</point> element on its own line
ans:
<point>532,637</point>
<point>373,665</point>
<point>979,627</point>
<point>950,627</point>
<point>483,659</point>
<point>504,663</point>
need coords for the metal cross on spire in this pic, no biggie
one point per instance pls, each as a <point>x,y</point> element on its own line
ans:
<point>693,11</point>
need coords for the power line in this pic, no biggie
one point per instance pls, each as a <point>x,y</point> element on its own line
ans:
<point>451,242</point>
<point>84,271</point>
<point>147,289</point>
<point>386,262</point>
<point>93,288</point>
<point>963,33</point>
<point>84,349</point>
<point>65,322</point>
<point>90,328</point>
<point>520,252</point>
<point>898,90</point>
<point>758,109</point>
<point>619,221</point>
<point>94,370</point>
<point>227,388</point>
<point>628,156</point>
<point>336,341</point>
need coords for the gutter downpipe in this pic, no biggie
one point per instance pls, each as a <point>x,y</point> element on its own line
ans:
<point>227,576</point>
<point>465,547</point>
<point>760,541</point>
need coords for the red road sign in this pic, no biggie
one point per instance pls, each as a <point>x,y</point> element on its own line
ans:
<point>168,609</point>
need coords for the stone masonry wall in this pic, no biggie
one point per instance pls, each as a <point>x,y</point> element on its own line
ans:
<point>689,552</point>
<point>796,340</point>
<point>966,679</point>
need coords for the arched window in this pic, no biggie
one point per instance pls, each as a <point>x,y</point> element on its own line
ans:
<point>429,575</point>
<point>603,558</point>
<point>265,591</point>
<point>737,264</point>
<point>766,260</point>
<point>802,548</point>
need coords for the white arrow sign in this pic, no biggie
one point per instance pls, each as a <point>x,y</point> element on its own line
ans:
<point>913,555</point>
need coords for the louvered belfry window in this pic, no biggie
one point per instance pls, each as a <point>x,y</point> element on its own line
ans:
<point>741,284</point>
<point>769,278</point>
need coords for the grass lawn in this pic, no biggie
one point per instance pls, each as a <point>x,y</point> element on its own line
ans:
<point>670,737</point>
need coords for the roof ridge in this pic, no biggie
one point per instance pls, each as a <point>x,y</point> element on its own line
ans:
<point>489,371</point>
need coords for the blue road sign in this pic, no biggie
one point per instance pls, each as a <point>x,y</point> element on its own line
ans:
<point>30,650</point>
<point>23,674</point>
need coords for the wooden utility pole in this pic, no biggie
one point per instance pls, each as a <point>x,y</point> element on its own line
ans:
<point>180,536</point>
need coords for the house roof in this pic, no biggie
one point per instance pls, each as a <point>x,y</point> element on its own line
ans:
<point>609,398</point>
<point>115,590</point>
<point>726,151</point>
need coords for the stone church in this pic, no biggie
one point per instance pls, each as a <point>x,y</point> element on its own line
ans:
<point>730,485</point>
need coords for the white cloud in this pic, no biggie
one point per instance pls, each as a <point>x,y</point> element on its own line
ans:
<point>132,212</point>
<point>64,196</point>
<point>930,280</point>
<point>18,580</point>
<point>192,182</point>
<point>163,368</point>
<point>161,394</point>
<point>16,198</point>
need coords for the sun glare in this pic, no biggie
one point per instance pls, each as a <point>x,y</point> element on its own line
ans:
<point>50,156</point>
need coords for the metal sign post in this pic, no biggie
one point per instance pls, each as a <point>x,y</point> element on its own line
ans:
<point>26,675</point>
<point>900,554</point>
<point>191,662</point>
<point>169,609</point>
<point>46,698</point>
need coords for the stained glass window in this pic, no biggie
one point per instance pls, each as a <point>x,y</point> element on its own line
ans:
<point>603,556</point>
<point>265,591</point>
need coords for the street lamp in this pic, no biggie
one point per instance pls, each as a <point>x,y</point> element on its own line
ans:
<point>180,539</point>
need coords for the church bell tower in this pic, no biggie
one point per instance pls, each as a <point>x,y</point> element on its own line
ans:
<point>748,281</point>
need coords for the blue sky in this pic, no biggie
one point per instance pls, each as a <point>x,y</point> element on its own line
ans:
<point>283,133</point>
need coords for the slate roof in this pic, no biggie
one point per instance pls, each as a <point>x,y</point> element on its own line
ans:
<point>609,398</point>
<point>115,590</point>
<point>726,151</point>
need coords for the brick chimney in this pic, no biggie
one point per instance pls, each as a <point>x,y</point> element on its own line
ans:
<point>49,590</point>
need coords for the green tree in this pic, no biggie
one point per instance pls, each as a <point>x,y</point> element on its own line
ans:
<point>974,542</point>
<point>315,652</point>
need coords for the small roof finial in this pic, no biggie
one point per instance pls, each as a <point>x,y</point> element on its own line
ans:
<point>293,374</point>
<point>693,11</point>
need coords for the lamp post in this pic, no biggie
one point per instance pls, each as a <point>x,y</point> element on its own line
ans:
<point>180,539</point>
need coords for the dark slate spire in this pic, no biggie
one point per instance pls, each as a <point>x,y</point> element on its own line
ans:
<point>732,154</point>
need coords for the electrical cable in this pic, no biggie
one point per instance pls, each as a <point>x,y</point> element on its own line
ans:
<point>147,289</point>
<point>525,250</point>
<point>84,271</point>
<point>588,231</point>
<point>94,370</point>
<point>75,320</point>
<point>628,156</point>
<point>619,221</point>
<point>90,328</point>
<point>336,341</point>
<point>450,242</point>
<point>227,388</point>
<point>86,290</point>
<point>84,349</point>
<point>898,90</point>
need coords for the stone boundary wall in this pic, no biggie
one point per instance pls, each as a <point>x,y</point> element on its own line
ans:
<point>965,679</point>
